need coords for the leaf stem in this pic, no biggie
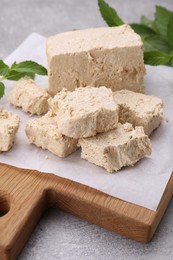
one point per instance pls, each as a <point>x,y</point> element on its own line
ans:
<point>2,78</point>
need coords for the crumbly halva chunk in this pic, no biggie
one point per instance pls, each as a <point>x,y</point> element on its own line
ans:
<point>110,56</point>
<point>85,111</point>
<point>29,96</point>
<point>123,146</point>
<point>9,124</point>
<point>44,133</point>
<point>139,109</point>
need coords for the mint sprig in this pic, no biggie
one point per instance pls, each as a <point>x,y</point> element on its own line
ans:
<point>29,67</point>
<point>2,89</point>
<point>146,21</point>
<point>19,70</point>
<point>156,43</point>
<point>156,57</point>
<point>170,32</point>
<point>142,29</point>
<point>4,69</point>
<point>109,14</point>
<point>157,34</point>
<point>162,16</point>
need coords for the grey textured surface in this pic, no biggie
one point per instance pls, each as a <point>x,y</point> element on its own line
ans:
<point>60,235</point>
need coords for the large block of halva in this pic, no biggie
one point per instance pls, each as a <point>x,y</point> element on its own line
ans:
<point>9,124</point>
<point>85,111</point>
<point>44,133</point>
<point>139,109</point>
<point>110,56</point>
<point>123,146</point>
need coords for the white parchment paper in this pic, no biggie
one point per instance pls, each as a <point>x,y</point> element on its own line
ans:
<point>142,184</point>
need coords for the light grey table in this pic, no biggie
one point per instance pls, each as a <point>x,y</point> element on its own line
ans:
<point>60,235</point>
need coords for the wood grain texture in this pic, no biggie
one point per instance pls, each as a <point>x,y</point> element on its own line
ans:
<point>25,194</point>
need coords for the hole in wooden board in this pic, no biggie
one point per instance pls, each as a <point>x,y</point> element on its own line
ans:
<point>4,205</point>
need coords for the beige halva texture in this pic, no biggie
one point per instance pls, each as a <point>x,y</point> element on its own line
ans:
<point>85,111</point>
<point>9,124</point>
<point>44,132</point>
<point>123,146</point>
<point>29,96</point>
<point>85,114</point>
<point>110,56</point>
<point>139,109</point>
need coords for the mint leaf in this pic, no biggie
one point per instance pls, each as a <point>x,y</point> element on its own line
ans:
<point>15,75</point>
<point>18,71</point>
<point>109,14</point>
<point>162,16</point>
<point>2,89</point>
<point>29,67</point>
<point>170,32</point>
<point>171,62</point>
<point>3,68</point>
<point>156,58</point>
<point>142,30</point>
<point>155,43</point>
<point>151,24</point>
<point>157,35</point>
<point>146,21</point>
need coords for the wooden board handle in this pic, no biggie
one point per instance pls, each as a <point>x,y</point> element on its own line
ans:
<point>22,202</point>
<point>4,203</point>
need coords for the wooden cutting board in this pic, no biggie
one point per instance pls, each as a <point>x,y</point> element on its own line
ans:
<point>25,194</point>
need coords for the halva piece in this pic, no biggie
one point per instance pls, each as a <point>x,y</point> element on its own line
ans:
<point>29,96</point>
<point>9,124</point>
<point>85,111</point>
<point>44,133</point>
<point>110,56</point>
<point>123,146</point>
<point>139,109</point>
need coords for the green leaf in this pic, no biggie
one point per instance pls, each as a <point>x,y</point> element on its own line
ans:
<point>151,24</point>
<point>29,67</point>
<point>3,68</point>
<point>109,14</point>
<point>162,16</point>
<point>142,30</point>
<point>171,62</point>
<point>18,71</point>
<point>15,75</point>
<point>156,58</point>
<point>157,35</point>
<point>170,32</point>
<point>146,21</point>
<point>155,43</point>
<point>2,89</point>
